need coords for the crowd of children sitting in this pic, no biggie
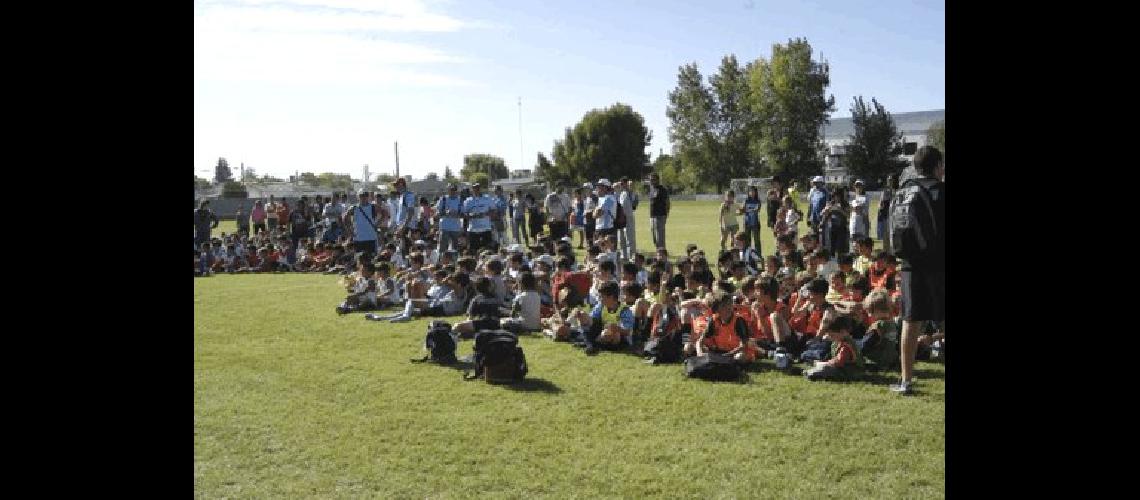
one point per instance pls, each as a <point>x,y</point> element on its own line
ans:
<point>837,312</point>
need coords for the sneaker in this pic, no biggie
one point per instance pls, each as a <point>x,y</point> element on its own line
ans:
<point>400,319</point>
<point>591,350</point>
<point>901,388</point>
<point>372,317</point>
<point>341,310</point>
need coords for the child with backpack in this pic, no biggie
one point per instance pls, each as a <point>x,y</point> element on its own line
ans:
<point>845,361</point>
<point>484,311</point>
<point>726,333</point>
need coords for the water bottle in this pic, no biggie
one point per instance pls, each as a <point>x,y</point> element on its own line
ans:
<point>782,359</point>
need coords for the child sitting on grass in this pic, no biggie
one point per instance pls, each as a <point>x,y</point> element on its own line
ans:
<point>526,308</point>
<point>445,298</point>
<point>881,343</point>
<point>610,323</point>
<point>726,333</point>
<point>363,295</point>
<point>484,311</point>
<point>845,362</point>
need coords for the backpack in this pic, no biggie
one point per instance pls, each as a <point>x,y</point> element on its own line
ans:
<point>439,344</point>
<point>713,366</point>
<point>498,358</point>
<point>913,228</point>
<point>619,216</point>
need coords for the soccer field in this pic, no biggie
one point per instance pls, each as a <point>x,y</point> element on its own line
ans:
<point>292,400</point>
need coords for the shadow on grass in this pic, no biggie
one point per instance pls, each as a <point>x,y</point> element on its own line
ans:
<point>533,384</point>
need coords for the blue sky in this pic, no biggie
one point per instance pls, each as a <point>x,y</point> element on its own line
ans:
<point>328,85</point>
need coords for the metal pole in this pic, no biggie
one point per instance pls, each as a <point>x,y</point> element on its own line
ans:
<point>520,135</point>
<point>397,144</point>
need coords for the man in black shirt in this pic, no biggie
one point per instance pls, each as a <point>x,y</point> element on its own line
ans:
<point>924,275</point>
<point>658,210</point>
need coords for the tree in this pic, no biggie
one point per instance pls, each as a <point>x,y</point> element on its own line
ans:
<point>234,189</point>
<point>431,176</point>
<point>678,180</point>
<point>787,98</point>
<point>606,143</point>
<point>448,175</point>
<point>383,179</point>
<point>492,165</point>
<point>543,168</point>
<point>222,171</point>
<point>872,152</point>
<point>690,112</point>
<point>733,124</point>
<point>200,183</point>
<point>248,174</point>
<point>480,178</point>
<point>936,136</point>
<point>336,182</point>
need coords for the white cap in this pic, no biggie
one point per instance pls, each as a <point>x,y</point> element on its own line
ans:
<point>515,248</point>
<point>858,181</point>
<point>587,185</point>
<point>545,259</point>
<point>604,182</point>
<point>420,242</point>
<point>567,239</point>
<point>818,178</point>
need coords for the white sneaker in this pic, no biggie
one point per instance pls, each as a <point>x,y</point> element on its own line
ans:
<point>400,319</point>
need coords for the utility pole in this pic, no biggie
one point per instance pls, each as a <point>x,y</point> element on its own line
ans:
<point>397,144</point>
<point>520,136</point>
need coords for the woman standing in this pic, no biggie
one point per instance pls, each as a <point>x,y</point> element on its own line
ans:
<point>518,218</point>
<point>775,200</point>
<point>534,216</point>
<point>883,217</point>
<point>860,221</point>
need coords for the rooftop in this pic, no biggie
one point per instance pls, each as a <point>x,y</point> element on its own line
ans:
<point>912,123</point>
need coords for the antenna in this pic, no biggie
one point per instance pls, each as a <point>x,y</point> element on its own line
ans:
<point>397,144</point>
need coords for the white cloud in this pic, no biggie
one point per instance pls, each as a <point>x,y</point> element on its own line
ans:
<point>268,42</point>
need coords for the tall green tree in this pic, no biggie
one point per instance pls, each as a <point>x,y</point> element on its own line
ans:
<point>872,152</point>
<point>733,123</point>
<point>448,175</point>
<point>248,174</point>
<point>493,166</point>
<point>200,183</point>
<point>936,136</point>
<point>678,180</point>
<point>431,176</point>
<point>606,143</point>
<point>543,168</point>
<point>787,95</point>
<point>222,171</point>
<point>691,116</point>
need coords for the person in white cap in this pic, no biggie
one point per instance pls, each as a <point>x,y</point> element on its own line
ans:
<point>817,199</point>
<point>606,211</point>
<point>859,225</point>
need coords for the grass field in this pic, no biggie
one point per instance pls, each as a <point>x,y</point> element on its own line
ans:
<point>291,400</point>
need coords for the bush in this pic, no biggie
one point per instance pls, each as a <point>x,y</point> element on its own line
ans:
<point>234,189</point>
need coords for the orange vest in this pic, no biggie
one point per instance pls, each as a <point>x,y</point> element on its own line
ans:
<point>724,335</point>
<point>745,312</point>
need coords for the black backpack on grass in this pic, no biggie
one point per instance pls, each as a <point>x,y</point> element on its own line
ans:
<point>713,366</point>
<point>498,357</point>
<point>439,344</point>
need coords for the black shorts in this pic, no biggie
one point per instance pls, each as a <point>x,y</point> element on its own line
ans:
<point>605,232</point>
<point>479,241</point>
<point>923,295</point>
<point>364,246</point>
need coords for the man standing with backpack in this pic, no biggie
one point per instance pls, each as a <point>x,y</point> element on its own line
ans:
<point>918,235</point>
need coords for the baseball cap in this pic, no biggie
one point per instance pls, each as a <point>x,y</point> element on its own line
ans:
<point>818,178</point>
<point>567,239</point>
<point>604,182</point>
<point>858,181</point>
<point>451,185</point>
<point>515,248</point>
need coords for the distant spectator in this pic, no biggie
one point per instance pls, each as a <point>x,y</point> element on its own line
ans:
<point>659,206</point>
<point>817,199</point>
<point>204,221</point>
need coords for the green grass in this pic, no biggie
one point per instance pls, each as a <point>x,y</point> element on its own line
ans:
<point>292,400</point>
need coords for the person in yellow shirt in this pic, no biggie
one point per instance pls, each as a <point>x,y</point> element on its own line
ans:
<point>794,192</point>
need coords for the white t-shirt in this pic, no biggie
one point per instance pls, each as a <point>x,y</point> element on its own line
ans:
<point>530,307</point>
<point>608,205</point>
<point>792,219</point>
<point>626,199</point>
<point>556,205</point>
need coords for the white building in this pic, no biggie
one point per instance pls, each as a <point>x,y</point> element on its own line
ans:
<point>837,135</point>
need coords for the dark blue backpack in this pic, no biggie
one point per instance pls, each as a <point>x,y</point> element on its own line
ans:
<point>439,343</point>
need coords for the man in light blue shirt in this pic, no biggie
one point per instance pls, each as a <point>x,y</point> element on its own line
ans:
<point>405,205</point>
<point>360,222</point>
<point>450,210</point>
<point>478,209</point>
<point>607,209</point>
